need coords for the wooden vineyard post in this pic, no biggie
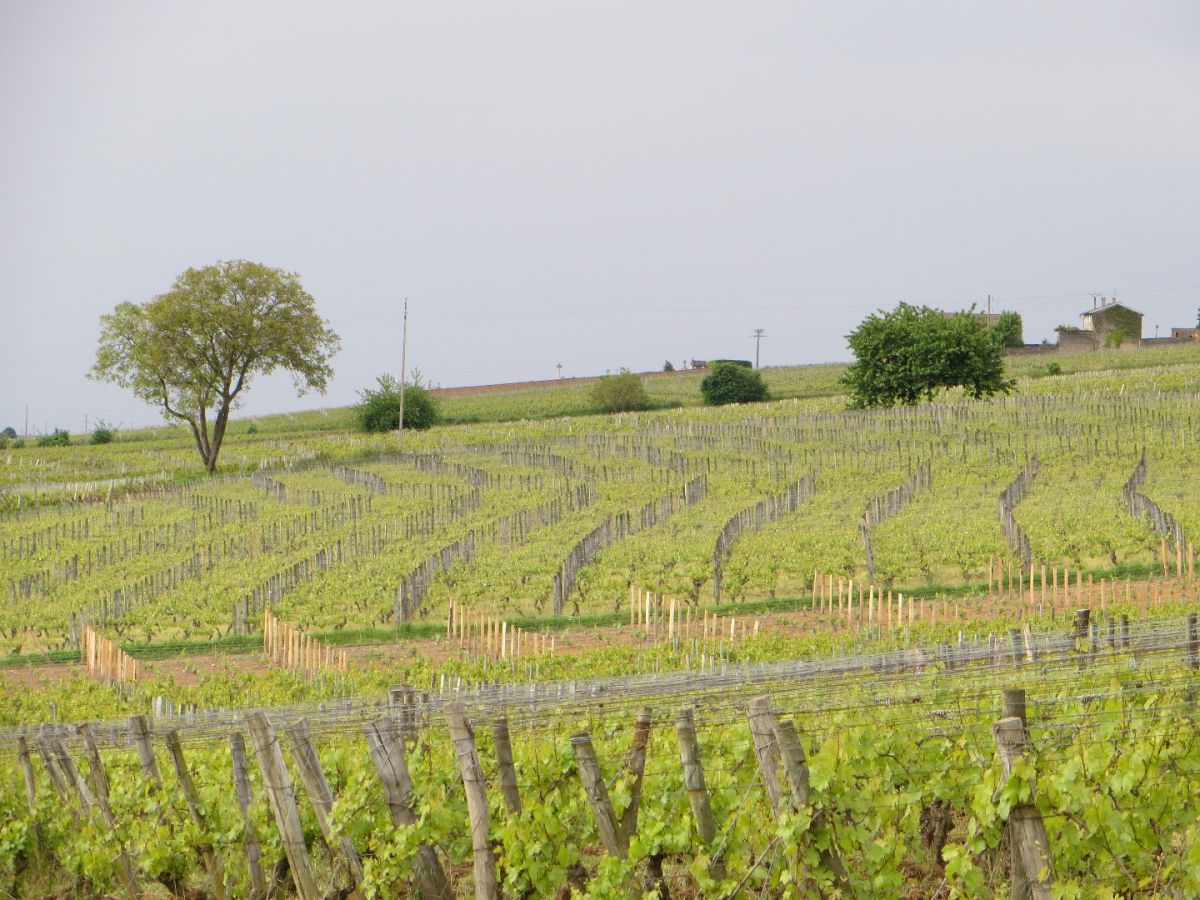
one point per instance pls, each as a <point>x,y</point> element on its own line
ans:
<point>57,778</point>
<point>611,835</point>
<point>796,766</point>
<point>463,738</point>
<point>697,789</point>
<point>504,766</point>
<point>283,802</point>
<point>125,869</point>
<point>1012,705</point>
<point>72,776</point>
<point>637,767</point>
<point>762,730</point>
<point>241,787</point>
<point>1026,828</point>
<point>27,769</point>
<point>139,730</point>
<point>212,860</point>
<point>387,750</point>
<point>319,793</point>
<point>1193,642</point>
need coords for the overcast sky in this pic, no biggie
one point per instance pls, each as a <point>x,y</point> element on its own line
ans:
<point>597,184</point>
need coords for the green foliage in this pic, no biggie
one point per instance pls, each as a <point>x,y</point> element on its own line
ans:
<point>1054,369</point>
<point>622,392</point>
<point>60,437</point>
<point>1114,339</point>
<point>103,434</point>
<point>378,409</point>
<point>668,366</point>
<point>731,382</point>
<point>911,353</point>
<point>193,350</point>
<point>1117,318</point>
<point>1009,330</point>
<point>744,363</point>
<point>9,432</point>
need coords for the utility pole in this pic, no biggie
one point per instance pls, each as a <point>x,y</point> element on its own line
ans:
<point>26,434</point>
<point>403,370</point>
<point>758,335</point>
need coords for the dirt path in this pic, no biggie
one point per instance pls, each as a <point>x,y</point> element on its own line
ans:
<point>188,671</point>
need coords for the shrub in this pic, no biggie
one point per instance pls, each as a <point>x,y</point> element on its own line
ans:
<point>379,408</point>
<point>1054,369</point>
<point>59,438</point>
<point>729,382</point>
<point>668,366</point>
<point>619,393</point>
<point>744,363</point>
<point>103,434</point>
<point>253,429</point>
<point>9,432</point>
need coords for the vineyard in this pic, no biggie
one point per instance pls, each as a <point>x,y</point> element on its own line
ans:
<point>753,651</point>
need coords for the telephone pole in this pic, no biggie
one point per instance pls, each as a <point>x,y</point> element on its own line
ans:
<point>758,335</point>
<point>403,369</point>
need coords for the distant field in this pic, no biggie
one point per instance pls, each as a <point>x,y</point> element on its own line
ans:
<point>547,400</point>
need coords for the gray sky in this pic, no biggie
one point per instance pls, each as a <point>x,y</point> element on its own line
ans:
<point>598,184</point>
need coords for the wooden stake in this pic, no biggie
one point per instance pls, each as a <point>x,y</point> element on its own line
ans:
<point>241,787</point>
<point>693,779</point>
<point>212,860</point>
<point>611,835</point>
<point>283,802</point>
<point>387,750</point>
<point>463,737</point>
<point>125,870</point>
<point>319,793</point>
<point>636,766</point>
<point>796,766</point>
<point>762,730</point>
<point>504,766</point>
<point>1026,828</point>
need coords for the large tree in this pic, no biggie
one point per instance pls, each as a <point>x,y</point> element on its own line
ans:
<point>911,353</point>
<point>194,350</point>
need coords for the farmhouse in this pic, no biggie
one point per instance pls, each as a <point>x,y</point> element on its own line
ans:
<point>1107,324</point>
<point>1107,317</point>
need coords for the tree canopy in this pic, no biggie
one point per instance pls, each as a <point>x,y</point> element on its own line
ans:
<point>378,408</point>
<point>731,382</point>
<point>194,350</point>
<point>911,353</point>
<point>622,392</point>
<point>1009,330</point>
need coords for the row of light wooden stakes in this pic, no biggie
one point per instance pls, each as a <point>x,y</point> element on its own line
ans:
<point>292,649</point>
<point>104,659</point>
<point>484,635</point>
<point>664,617</point>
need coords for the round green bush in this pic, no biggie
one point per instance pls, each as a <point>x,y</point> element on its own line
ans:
<point>379,408</point>
<point>729,382</point>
